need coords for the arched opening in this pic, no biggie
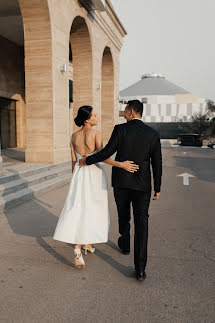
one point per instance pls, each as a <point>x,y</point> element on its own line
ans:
<point>107,100</point>
<point>82,70</point>
<point>12,76</point>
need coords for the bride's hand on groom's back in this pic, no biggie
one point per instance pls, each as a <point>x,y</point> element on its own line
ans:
<point>129,166</point>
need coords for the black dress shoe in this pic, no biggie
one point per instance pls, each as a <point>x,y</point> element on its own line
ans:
<point>140,275</point>
<point>124,243</point>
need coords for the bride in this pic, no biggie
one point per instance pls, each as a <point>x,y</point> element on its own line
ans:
<point>85,219</point>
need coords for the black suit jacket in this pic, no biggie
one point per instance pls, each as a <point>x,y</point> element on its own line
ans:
<point>136,142</point>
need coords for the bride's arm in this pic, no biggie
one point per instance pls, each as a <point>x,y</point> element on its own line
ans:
<point>127,165</point>
<point>73,155</point>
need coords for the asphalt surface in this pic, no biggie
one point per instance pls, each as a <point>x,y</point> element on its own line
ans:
<point>39,283</point>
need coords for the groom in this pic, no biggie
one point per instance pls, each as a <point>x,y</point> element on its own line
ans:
<point>137,142</point>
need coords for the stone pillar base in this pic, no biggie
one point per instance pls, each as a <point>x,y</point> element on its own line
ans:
<point>43,157</point>
<point>48,157</point>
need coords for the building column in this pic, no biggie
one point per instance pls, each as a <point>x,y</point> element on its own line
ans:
<point>38,81</point>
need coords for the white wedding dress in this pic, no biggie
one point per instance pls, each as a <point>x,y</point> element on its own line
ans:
<point>85,217</point>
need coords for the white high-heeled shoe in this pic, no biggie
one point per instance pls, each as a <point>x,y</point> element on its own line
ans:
<point>90,250</point>
<point>79,260</point>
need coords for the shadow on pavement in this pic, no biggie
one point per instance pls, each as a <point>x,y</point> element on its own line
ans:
<point>124,270</point>
<point>112,245</point>
<point>36,222</point>
<point>39,223</point>
<point>53,252</point>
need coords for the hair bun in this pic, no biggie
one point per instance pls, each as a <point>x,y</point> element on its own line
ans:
<point>78,122</point>
<point>84,113</point>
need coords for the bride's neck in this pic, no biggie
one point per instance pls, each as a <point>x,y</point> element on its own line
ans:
<point>87,126</point>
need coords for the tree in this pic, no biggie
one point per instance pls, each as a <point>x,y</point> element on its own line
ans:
<point>200,123</point>
<point>211,106</point>
<point>211,113</point>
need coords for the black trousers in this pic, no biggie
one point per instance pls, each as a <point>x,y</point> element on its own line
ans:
<point>140,202</point>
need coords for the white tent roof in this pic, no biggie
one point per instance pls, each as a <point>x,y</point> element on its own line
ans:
<point>152,84</point>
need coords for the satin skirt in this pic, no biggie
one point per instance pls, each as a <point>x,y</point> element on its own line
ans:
<point>85,216</point>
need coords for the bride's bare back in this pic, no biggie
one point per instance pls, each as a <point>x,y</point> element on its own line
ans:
<point>86,141</point>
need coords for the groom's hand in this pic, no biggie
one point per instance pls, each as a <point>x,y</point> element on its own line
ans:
<point>156,196</point>
<point>82,162</point>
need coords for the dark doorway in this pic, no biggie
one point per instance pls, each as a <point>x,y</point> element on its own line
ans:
<point>7,123</point>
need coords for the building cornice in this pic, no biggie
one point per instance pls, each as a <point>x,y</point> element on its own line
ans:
<point>107,29</point>
<point>99,18</point>
<point>113,16</point>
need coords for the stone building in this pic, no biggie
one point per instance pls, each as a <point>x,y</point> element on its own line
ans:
<point>55,56</point>
<point>166,105</point>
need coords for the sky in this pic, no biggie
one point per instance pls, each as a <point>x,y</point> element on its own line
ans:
<point>172,37</point>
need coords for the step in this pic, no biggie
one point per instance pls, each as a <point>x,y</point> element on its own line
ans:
<point>11,200</point>
<point>30,171</point>
<point>19,184</point>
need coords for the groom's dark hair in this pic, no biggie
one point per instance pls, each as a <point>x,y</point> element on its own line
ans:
<point>135,105</point>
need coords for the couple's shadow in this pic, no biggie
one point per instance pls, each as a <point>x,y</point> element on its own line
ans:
<point>33,219</point>
<point>127,271</point>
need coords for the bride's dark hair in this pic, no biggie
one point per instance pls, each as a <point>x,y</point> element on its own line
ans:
<point>84,113</point>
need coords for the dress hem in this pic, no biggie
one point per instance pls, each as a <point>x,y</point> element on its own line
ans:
<point>82,243</point>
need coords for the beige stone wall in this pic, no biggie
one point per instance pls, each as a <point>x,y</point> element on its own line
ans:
<point>12,82</point>
<point>98,32</point>
<point>39,81</point>
<point>47,26</point>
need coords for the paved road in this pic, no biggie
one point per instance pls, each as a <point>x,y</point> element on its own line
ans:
<point>38,281</point>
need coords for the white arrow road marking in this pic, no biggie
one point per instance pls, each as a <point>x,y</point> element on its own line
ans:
<point>186,178</point>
